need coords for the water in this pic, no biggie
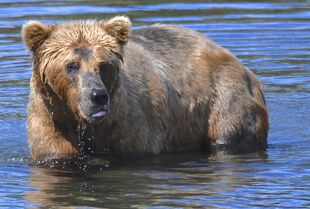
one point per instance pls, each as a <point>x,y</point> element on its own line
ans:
<point>270,37</point>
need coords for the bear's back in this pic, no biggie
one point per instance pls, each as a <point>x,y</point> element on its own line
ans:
<point>167,40</point>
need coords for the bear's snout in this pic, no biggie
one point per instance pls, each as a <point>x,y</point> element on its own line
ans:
<point>100,100</point>
<point>93,97</point>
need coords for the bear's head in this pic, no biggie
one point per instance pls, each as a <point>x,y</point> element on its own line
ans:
<point>79,61</point>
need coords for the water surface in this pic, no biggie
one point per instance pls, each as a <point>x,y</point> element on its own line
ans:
<point>272,38</point>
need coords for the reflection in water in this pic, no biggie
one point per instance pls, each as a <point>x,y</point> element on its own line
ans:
<point>162,181</point>
<point>272,38</point>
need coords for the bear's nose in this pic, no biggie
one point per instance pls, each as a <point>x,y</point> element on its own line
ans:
<point>99,96</point>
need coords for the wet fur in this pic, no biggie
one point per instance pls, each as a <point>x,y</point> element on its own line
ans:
<point>176,90</point>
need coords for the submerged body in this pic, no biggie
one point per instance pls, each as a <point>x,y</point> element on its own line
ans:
<point>163,89</point>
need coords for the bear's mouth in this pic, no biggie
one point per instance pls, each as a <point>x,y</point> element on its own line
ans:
<point>98,116</point>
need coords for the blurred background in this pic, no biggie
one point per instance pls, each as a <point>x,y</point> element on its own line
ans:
<point>272,38</point>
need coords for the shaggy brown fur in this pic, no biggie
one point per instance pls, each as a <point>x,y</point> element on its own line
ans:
<point>170,89</point>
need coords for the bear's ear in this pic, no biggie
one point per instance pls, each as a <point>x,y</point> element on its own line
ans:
<point>35,33</point>
<point>119,28</point>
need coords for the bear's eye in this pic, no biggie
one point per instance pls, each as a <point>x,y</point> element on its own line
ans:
<point>104,67</point>
<point>72,67</point>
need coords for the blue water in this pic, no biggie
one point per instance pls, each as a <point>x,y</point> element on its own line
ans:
<point>272,38</point>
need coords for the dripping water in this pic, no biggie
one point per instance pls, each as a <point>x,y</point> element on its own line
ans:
<point>90,139</point>
<point>81,161</point>
<point>85,138</point>
<point>81,134</point>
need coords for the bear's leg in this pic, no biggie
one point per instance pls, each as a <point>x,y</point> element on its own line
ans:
<point>240,125</point>
<point>45,141</point>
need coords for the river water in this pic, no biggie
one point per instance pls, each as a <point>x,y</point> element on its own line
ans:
<point>270,37</point>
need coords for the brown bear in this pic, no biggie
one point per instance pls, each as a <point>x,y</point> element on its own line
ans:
<point>99,87</point>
